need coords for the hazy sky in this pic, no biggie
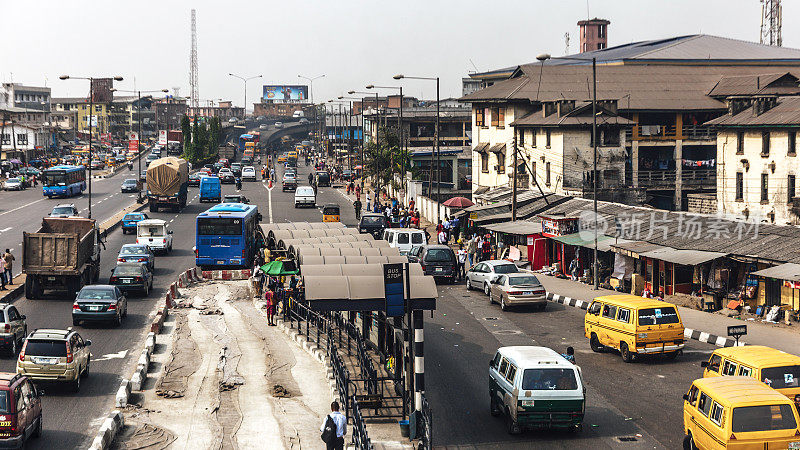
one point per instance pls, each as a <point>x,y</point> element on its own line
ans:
<point>352,42</point>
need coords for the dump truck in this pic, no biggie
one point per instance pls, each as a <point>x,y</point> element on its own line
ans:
<point>167,183</point>
<point>64,255</point>
<point>227,151</point>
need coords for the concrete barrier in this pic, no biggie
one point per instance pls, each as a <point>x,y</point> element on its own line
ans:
<point>227,274</point>
<point>124,391</point>
<point>108,431</point>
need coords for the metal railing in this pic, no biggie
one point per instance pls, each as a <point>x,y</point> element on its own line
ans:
<point>669,133</point>
<point>667,178</point>
<point>425,425</point>
<point>360,437</point>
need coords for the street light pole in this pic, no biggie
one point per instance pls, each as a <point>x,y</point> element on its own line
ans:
<point>543,57</point>
<point>244,81</point>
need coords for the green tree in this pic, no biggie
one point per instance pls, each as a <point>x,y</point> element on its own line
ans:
<point>186,130</point>
<point>388,161</point>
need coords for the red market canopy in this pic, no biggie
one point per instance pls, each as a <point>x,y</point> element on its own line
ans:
<point>458,202</point>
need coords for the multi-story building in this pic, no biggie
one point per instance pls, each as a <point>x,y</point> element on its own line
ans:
<point>594,34</point>
<point>661,87</point>
<point>28,105</point>
<point>23,142</point>
<point>224,110</point>
<point>758,165</point>
<point>169,112</point>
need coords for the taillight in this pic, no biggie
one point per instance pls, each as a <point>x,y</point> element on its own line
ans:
<point>112,307</point>
<point>196,253</point>
<point>112,279</point>
<point>138,278</point>
<point>69,353</point>
<point>22,352</point>
<point>7,328</point>
<point>75,306</point>
<point>120,259</point>
<point>242,253</point>
<point>514,292</point>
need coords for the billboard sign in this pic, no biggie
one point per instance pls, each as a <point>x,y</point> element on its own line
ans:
<point>286,93</point>
<point>162,137</point>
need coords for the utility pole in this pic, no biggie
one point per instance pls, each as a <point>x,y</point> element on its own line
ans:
<point>514,181</point>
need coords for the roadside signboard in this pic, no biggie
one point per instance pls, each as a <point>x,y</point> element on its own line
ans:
<point>737,331</point>
<point>393,287</point>
<point>133,142</point>
<point>162,137</point>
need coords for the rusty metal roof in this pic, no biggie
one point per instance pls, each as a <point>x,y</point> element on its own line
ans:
<point>786,112</point>
<point>773,83</point>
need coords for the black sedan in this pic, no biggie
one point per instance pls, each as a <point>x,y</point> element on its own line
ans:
<point>99,303</point>
<point>129,277</point>
<point>130,185</point>
<point>194,179</point>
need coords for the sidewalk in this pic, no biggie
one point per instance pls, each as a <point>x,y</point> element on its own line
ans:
<point>757,333</point>
<point>227,380</point>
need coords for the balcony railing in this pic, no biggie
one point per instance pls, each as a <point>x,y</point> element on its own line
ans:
<point>692,178</point>
<point>669,133</point>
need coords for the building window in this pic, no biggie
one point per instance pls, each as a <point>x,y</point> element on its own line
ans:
<point>533,137</point>
<point>790,188</point>
<point>739,186</point>
<point>765,143</point>
<point>480,117</point>
<point>601,31</point>
<point>792,143</point>
<point>98,108</point>
<point>501,162</point>
<point>522,138</point>
<point>740,142</point>
<point>485,162</point>
<point>547,139</point>
<point>585,46</point>
<point>6,139</point>
<point>599,45</point>
<point>498,117</point>
<point>22,139</point>
<point>547,174</point>
<point>764,187</point>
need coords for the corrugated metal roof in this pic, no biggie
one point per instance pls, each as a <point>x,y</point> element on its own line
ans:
<point>755,84</point>
<point>636,87</point>
<point>554,120</point>
<point>786,112</point>
<point>788,271</point>
<point>521,227</point>
<point>685,257</point>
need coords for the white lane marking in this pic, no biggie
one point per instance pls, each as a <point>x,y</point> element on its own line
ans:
<point>5,229</point>
<point>269,201</point>
<point>20,207</point>
<point>171,220</point>
<point>118,355</point>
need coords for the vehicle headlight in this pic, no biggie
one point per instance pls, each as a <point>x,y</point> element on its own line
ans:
<point>642,335</point>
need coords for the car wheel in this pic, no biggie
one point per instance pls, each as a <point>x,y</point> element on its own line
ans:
<point>469,285</point>
<point>146,290</point>
<point>627,356</point>
<point>543,306</point>
<point>688,442</point>
<point>75,322</point>
<point>38,431</point>
<point>85,372</point>
<point>486,289</point>
<point>76,385</point>
<point>118,321</point>
<point>494,410</point>
<point>594,343</point>
<point>503,305</point>
<point>672,355</point>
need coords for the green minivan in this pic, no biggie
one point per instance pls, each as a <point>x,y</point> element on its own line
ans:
<point>536,388</point>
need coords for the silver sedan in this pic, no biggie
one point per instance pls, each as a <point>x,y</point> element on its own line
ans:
<point>481,274</point>
<point>518,289</point>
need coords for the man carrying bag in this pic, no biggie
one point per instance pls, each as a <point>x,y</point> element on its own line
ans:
<point>334,428</point>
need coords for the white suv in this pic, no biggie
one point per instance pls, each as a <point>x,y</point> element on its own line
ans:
<point>304,196</point>
<point>248,173</point>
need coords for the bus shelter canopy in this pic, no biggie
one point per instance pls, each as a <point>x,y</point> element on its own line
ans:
<point>363,293</point>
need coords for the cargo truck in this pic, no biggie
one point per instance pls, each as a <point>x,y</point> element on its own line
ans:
<point>64,255</point>
<point>167,183</point>
<point>227,152</point>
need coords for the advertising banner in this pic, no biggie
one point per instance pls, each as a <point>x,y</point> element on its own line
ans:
<point>286,94</point>
<point>162,137</point>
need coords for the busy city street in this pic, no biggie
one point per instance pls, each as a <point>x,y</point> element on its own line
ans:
<point>578,235</point>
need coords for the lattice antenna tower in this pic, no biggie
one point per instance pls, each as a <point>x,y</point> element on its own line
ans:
<point>771,22</point>
<point>566,43</point>
<point>194,95</point>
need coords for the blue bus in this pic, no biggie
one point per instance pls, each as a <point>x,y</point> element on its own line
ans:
<point>227,236</point>
<point>63,181</point>
<point>244,139</point>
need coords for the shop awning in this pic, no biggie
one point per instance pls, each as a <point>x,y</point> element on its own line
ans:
<point>788,272</point>
<point>519,227</point>
<point>685,257</point>
<point>604,242</point>
<point>634,248</point>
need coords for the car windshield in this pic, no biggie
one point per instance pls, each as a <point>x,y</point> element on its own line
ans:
<point>523,281</point>
<point>12,180</point>
<point>133,250</point>
<point>151,230</point>
<point>439,255</point>
<point>219,227</point>
<point>4,402</point>
<point>129,181</point>
<point>505,268</point>
<point>373,220</point>
<point>132,217</point>
<point>62,210</point>
<point>658,316</point>
<point>549,380</point>
<point>763,418</point>
<point>781,377</point>
<point>35,347</point>
<point>96,294</point>
<point>128,270</point>
<point>55,178</point>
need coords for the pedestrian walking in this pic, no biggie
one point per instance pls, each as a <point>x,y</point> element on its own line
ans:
<point>472,248</point>
<point>269,298</point>
<point>334,428</point>
<point>486,246</point>
<point>357,207</point>
<point>2,274</point>
<point>462,260</point>
<point>9,260</point>
<point>442,237</point>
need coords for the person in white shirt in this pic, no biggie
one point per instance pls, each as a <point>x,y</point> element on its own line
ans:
<point>340,420</point>
<point>462,260</point>
<point>443,237</point>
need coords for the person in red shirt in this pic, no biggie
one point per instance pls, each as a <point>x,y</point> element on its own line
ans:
<point>269,297</point>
